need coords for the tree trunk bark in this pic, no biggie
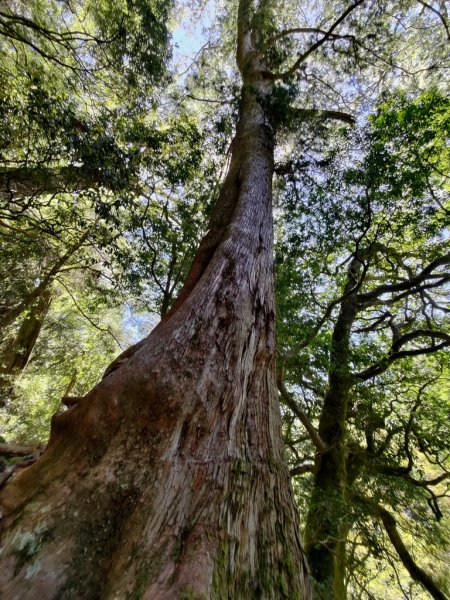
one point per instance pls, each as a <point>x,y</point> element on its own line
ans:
<point>327,520</point>
<point>15,355</point>
<point>168,480</point>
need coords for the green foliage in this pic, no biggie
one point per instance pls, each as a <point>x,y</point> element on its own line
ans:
<point>137,30</point>
<point>127,39</point>
<point>409,154</point>
<point>71,350</point>
<point>92,203</point>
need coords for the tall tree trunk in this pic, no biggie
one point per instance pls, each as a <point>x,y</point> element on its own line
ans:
<point>9,315</point>
<point>168,480</point>
<point>16,354</point>
<point>327,521</point>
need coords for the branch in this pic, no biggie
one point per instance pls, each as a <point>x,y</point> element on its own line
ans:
<point>418,333</point>
<point>294,351</point>
<point>17,229</point>
<point>439,14</point>
<point>350,289</point>
<point>289,401</point>
<point>59,37</point>
<point>87,317</point>
<point>410,284</point>
<point>210,100</point>
<point>408,562</point>
<point>13,34</point>
<point>395,353</point>
<point>327,36</point>
<point>24,182</point>
<point>293,30</point>
<point>373,326</point>
<point>439,280</point>
<point>425,483</point>
<point>336,115</point>
<point>301,469</point>
<point>11,450</point>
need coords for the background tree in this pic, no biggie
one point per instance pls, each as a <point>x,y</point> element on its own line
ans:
<point>75,157</point>
<point>362,391</point>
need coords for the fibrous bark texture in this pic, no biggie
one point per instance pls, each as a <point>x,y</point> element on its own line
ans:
<point>168,480</point>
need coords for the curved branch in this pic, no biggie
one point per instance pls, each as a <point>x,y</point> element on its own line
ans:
<point>58,37</point>
<point>87,317</point>
<point>408,562</point>
<point>410,284</point>
<point>302,469</point>
<point>294,30</point>
<point>426,482</point>
<point>395,353</point>
<point>336,115</point>
<point>418,333</point>
<point>289,401</point>
<point>439,14</point>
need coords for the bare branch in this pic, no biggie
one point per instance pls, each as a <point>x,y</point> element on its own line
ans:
<point>294,30</point>
<point>427,482</point>
<point>210,100</point>
<point>301,469</point>
<point>410,284</point>
<point>327,36</point>
<point>395,353</point>
<point>336,115</point>
<point>439,14</point>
